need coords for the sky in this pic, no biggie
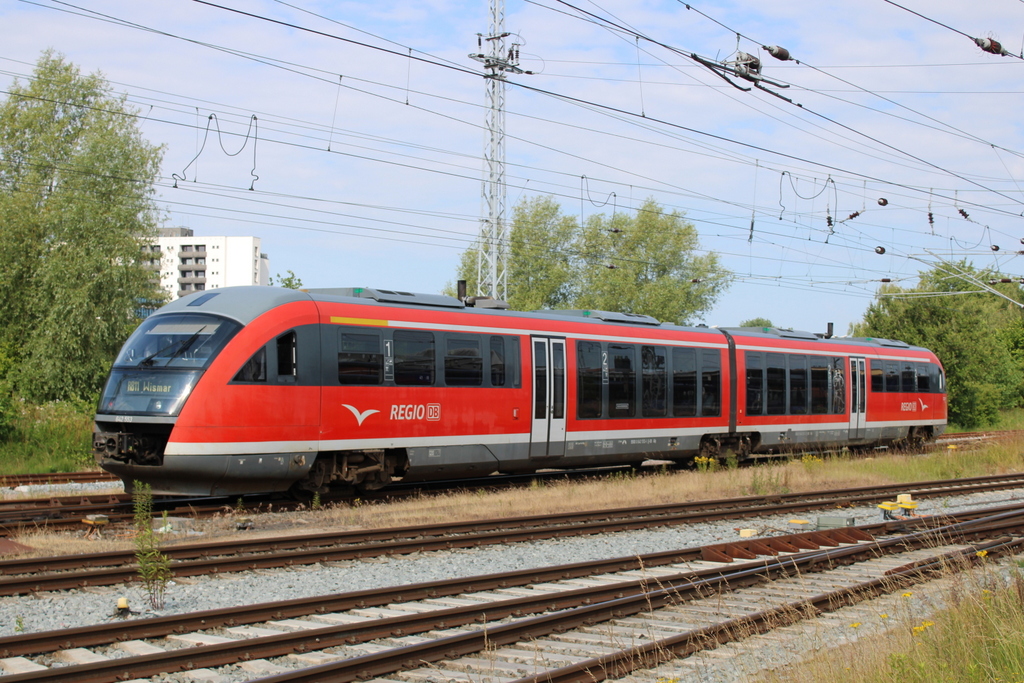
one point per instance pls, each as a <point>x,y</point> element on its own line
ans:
<point>349,136</point>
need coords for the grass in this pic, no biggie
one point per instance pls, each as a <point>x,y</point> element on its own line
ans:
<point>975,637</point>
<point>1008,419</point>
<point>43,439</point>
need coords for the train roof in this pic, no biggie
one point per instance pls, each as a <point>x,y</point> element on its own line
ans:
<point>245,304</point>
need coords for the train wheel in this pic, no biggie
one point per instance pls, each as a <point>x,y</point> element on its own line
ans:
<point>916,439</point>
<point>710,447</point>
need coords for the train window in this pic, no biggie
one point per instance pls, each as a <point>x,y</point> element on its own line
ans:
<point>755,384</point>
<point>908,378</point>
<point>512,363</point>
<point>621,380</point>
<point>255,369</point>
<point>558,381</point>
<point>892,376</point>
<point>588,379</point>
<point>360,360</point>
<point>877,376</point>
<point>776,382</point>
<point>838,385</point>
<point>819,384</point>
<point>798,385</point>
<point>924,380</point>
<point>711,383</point>
<point>932,375</point>
<point>684,382</point>
<point>287,368</point>
<point>654,394</point>
<point>414,358</point>
<point>497,361</point>
<point>540,380</point>
<point>463,362</point>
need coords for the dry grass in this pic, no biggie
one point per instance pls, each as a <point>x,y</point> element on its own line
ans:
<point>806,473</point>
<point>975,637</point>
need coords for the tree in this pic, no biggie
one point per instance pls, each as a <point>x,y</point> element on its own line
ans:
<point>541,269</point>
<point>973,332</point>
<point>76,206</point>
<point>289,281</point>
<point>757,322</point>
<point>655,265</point>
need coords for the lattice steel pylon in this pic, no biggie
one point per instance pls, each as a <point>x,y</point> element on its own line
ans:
<point>492,256</point>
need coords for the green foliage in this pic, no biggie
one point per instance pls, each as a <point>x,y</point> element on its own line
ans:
<point>289,281</point>
<point>978,337</point>
<point>52,437</point>
<point>757,322</point>
<point>556,264</point>
<point>154,567</point>
<point>76,206</point>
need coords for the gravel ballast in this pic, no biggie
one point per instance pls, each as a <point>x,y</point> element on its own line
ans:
<point>51,611</point>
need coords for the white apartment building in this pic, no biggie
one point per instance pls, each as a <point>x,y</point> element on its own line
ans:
<point>187,263</point>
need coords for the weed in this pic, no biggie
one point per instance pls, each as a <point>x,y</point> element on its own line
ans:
<point>315,503</point>
<point>706,464</point>
<point>732,461</point>
<point>154,568</point>
<point>19,624</point>
<point>766,480</point>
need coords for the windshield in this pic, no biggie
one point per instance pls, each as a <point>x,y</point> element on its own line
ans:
<point>177,340</point>
<point>147,392</point>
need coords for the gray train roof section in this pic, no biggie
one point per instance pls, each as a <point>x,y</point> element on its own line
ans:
<point>245,304</point>
<point>774,332</point>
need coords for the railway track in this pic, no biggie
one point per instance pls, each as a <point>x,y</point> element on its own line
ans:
<point>21,576</point>
<point>62,513</point>
<point>54,478</point>
<point>535,625</point>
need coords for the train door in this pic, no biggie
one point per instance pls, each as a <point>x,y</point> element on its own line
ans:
<point>547,434</point>
<point>858,398</point>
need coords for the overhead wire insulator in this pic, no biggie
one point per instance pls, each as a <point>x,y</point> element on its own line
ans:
<point>853,215</point>
<point>614,230</point>
<point>828,220</point>
<point>886,279</point>
<point>931,221</point>
<point>994,247</point>
<point>879,250</point>
<point>882,201</point>
<point>780,53</point>
<point>964,214</point>
<point>991,46</point>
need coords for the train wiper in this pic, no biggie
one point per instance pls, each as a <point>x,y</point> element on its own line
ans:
<point>182,345</point>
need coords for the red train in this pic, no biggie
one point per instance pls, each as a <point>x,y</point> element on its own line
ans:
<point>259,389</point>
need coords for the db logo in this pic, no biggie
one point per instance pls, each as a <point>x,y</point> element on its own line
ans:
<point>413,411</point>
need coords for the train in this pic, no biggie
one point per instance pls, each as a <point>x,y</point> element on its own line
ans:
<point>261,390</point>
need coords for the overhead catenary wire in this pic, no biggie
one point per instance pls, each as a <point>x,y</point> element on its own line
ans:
<point>754,202</point>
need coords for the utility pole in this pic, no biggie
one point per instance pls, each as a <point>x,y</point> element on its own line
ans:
<point>492,257</point>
